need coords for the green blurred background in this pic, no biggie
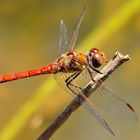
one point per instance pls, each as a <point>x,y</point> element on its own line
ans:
<point>29,37</point>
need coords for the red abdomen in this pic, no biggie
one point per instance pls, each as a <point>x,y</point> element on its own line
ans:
<point>50,69</point>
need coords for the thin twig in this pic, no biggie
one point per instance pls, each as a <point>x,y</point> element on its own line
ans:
<point>113,64</point>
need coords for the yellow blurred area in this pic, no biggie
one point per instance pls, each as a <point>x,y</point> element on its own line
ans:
<point>29,38</point>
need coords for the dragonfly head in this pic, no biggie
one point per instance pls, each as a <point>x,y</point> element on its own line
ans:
<point>96,57</point>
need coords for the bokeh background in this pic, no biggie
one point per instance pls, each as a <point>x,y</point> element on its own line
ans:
<point>29,38</point>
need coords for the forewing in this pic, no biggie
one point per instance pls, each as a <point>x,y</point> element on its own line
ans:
<point>76,86</point>
<point>63,38</point>
<point>74,34</point>
<point>110,103</point>
<point>98,116</point>
<point>65,43</point>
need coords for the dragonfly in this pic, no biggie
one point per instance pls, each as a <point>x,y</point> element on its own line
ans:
<point>70,65</point>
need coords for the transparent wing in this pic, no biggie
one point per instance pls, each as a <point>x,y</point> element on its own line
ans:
<point>74,34</point>
<point>104,99</point>
<point>109,103</point>
<point>61,77</point>
<point>65,43</point>
<point>63,38</point>
<point>97,115</point>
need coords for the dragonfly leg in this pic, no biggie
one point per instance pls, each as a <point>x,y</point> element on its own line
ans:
<point>77,88</point>
<point>70,79</point>
<point>96,70</point>
<point>90,74</point>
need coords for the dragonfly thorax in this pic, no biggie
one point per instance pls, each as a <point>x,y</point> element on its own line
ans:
<point>72,61</point>
<point>95,57</point>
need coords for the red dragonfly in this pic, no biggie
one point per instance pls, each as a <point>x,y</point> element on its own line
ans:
<point>70,66</point>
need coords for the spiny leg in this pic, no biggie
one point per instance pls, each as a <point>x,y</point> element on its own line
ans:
<point>96,70</point>
<point>90,74</point>
<point>70,79</point>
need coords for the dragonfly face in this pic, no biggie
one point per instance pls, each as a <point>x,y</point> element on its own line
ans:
<point>96,57</point>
